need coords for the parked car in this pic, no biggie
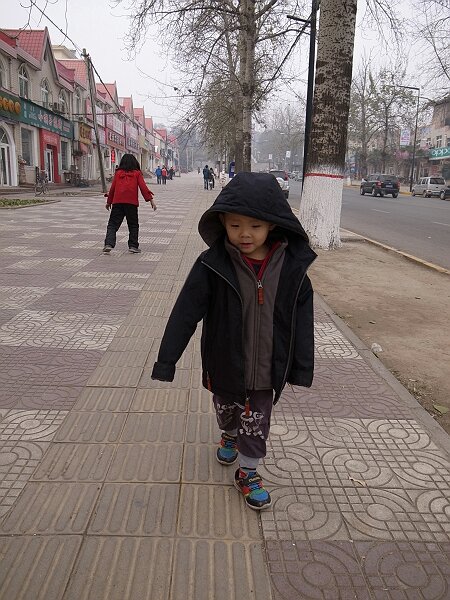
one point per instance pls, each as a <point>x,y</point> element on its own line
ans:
<point>380,184</point>
<point>283,180</point>
<point>429,186</point>
<point>445,193</point>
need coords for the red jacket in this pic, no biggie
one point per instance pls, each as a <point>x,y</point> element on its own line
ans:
<point>124,188</point>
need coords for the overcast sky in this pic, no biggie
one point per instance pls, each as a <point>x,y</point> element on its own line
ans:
<point>94,25</point>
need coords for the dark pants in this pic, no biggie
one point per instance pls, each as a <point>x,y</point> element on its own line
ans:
<point>118,213</point>
<point>164,179</point>
<point>206,184</point>
<point>158,179</point>
<point>252,429</point>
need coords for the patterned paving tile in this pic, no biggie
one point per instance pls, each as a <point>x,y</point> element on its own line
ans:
<point>31,425</point>
<point>75,462</point>
<point>18,459</point>
<point>40,329</point>
<point>315,571</point>
<point>330,343</point>
<point>405,570</point>
<point>20,297</point>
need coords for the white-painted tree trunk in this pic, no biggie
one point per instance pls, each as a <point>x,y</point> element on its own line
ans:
<point>320,206</point>
<point>321,214</point>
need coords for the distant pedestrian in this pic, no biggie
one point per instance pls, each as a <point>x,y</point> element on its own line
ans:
<point>198,170</point>
<point>206,173</point>
<point>252,293</point>
<point>171,172</point>
<point>123,201</point>
<point>212,177</point>
<point>164,175</point>
<point>158,173</point>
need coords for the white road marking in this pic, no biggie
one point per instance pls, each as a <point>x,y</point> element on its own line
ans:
<point>437,223</point>
<point>383,211</point>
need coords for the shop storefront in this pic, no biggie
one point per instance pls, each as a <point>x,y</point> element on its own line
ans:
<point>53,130</point>
<point>10,111</point>
<point>440,161</point>
<point>115,140</point>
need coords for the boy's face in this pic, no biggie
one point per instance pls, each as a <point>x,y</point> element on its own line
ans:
<point>247,234</point>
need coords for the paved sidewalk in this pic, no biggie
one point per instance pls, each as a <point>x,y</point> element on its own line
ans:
<point>109,485</point>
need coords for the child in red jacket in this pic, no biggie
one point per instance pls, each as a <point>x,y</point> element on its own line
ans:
<point>123,198</point>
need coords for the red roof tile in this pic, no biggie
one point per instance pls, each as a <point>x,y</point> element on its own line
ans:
<point>79,68</point>
<point>32,41</point>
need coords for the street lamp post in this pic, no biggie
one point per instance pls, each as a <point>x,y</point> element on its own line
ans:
<point>411,179</point>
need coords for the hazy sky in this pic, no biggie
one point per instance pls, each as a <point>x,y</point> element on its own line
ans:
<point>94,25</point>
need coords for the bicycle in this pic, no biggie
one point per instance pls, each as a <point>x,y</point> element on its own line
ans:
<point>41,185</point>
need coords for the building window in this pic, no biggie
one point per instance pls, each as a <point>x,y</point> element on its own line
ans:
<point>45,93</point>
<point>23,82</point>
<point>64,156</point>
<point>62,103</point>
<point>77,103</point>
<point>3,81</point>
<point>27,145</point>
<point>439,141</point>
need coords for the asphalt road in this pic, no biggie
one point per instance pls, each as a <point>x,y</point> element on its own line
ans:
<point>418,226</point>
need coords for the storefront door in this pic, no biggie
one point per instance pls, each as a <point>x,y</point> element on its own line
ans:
<point>48,156</point>
<point>5,159</point>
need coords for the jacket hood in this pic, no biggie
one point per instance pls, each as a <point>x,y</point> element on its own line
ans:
<point>256,195</point>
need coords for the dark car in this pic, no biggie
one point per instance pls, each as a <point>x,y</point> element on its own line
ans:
<point>380,184</point>
<point>445,193</point>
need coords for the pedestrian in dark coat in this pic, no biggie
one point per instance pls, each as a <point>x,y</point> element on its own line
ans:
<point>253,294</point>
<point>206,177</point>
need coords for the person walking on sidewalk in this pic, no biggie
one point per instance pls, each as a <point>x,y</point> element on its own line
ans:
<point>123,201</point>
<point>253,294</point>
<point>206,178</point>
<point>158,173</point>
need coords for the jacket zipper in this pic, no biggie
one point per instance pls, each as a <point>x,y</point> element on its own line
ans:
<point>259,300</point>
<point>247,404</point>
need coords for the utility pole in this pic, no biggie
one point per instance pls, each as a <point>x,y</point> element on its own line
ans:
<point>87,60</point>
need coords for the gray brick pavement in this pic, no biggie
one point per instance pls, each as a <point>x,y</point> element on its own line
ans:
<point>109,488</point>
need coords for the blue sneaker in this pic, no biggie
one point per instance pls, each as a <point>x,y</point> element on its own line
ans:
<point>227,452</point>
<point>250,484</point>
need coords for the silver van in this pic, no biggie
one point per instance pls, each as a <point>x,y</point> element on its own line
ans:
<point>429,186</point>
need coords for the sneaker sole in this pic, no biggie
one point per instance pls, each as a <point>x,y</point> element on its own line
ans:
<point>107,251</point>
<point>251,505</point>
<point>222,462</point>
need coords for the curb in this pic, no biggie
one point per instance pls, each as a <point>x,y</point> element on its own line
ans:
<point>417,410</point>
<point>410,257</point>
<point>29,205</point>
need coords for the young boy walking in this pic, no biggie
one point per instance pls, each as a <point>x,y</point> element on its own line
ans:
<point>253,294</point>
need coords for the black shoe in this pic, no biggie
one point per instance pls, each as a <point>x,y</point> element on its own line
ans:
<point>107,249</point>
<point>134,250</point>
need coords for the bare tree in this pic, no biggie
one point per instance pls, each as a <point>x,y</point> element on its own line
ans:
<point>228,37</point>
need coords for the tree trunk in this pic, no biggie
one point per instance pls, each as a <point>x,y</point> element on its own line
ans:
<point>320,207</point>
<point>248,40</point>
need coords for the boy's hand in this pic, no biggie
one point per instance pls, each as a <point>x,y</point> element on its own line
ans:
<point>153,204</point>
<point>107,206</point>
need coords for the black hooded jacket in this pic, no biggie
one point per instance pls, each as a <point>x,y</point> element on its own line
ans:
<point>211,293</point>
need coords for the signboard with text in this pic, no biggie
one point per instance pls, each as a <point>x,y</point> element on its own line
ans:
<point>439,153</point>
<point>44,119</point>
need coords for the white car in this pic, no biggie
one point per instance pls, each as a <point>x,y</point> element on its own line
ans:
<point>283,180</point>
<point>429,186</point>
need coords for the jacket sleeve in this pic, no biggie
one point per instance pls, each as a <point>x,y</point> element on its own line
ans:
<point>302,368</point>
<point>189,309</point>
<point>148,195</point>
<point>112,189</point>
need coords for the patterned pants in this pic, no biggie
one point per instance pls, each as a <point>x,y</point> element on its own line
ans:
<point>252,428</point>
